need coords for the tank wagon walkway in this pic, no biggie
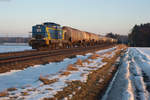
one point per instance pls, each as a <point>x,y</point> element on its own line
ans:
<point>132,81</point>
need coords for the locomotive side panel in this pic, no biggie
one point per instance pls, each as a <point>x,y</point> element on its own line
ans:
<point>85,36</point>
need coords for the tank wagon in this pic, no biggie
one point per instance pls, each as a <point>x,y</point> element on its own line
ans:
<point>52,35</point>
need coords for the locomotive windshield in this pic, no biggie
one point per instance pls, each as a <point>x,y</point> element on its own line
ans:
<point>38,32</point>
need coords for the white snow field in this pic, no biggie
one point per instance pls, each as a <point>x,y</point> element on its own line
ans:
<point>8,48</point>
<point>132,81</point>
<point>27,80</point>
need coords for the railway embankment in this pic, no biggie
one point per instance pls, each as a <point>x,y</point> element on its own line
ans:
<point>85,79</point>
<point>97,80</point>
<point>22,60</point>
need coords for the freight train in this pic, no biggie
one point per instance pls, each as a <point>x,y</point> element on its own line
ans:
<point>52,35</point>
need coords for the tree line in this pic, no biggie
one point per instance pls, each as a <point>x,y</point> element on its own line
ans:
<point>140,36</point>
<point>14,39</point>
<point>121,39</point>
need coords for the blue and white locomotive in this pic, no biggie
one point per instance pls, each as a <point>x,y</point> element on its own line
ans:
<point>43,35</point>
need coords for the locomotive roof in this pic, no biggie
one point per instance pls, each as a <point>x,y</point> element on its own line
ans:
<point>38,25</point>
<point>51,23</point>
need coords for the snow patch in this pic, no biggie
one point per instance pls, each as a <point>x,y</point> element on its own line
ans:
<point>51,71</point>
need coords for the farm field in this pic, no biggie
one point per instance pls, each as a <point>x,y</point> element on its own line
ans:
<point>132,81</point>
<point>116,73</point>
<point>61,80</point>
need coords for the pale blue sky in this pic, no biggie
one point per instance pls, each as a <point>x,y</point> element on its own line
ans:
<point>98,16</point>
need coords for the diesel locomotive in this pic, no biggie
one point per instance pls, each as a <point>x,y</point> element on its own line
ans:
<point>53,36</point>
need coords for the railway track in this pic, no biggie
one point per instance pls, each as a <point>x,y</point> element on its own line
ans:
<point>18,60</point>
<point>34,54</point>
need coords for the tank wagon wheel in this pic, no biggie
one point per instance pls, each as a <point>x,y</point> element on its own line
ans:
<point>64,45</point>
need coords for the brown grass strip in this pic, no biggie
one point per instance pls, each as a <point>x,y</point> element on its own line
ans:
<point>47,81</point>
<point>94,56</point>
<point>12,89</point>
<point>71,67</point>
<point>79,62</point>
<point>25,93</point>
<point>66,73</point>
<point>4,93</point>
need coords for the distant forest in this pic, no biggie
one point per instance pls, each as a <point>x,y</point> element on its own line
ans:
<point>14,40</point>
<point>122,39</point>
<point>140,36</point>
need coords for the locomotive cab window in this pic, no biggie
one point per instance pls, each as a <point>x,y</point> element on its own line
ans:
<point>38,32</point>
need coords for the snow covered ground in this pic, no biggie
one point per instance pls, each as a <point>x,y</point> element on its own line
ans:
<point>28,80</point>
<point>8,48</point>
<point>132,81</point>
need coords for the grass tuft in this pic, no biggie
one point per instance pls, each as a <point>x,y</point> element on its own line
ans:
<point>12,89</point>
<point>87,61</point>
<point>105,59</point>
<point>4,93</point>
<point>71,67</point>
<point>47,81</point>
<point>25,93</point>
<point>79,62</point>
<point>66,73</point>
<point>94,56</point>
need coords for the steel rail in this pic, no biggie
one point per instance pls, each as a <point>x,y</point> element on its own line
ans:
<point>41,54</point>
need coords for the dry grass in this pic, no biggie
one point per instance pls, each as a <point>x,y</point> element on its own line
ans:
<point>25,93</point>
<point>4,93</point>
<point>47,81</point>
<point>82,74</point>
<point>49,89</point>
<point>109,52</point>
<point>94,56</point>
<point>106,59</point>
<point>121,46</point>
<point>117,53</point>
<point>12,89</point>
<point>71,67</point>
<point>66,73</point>
<point>87,61</point>
<point>13,97</point>
<point>92,67</point>
<point>94,86</point>
<point>72,87</point>
<point>49,99</point>
<point>79,62</point>
<point>34,89</point>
